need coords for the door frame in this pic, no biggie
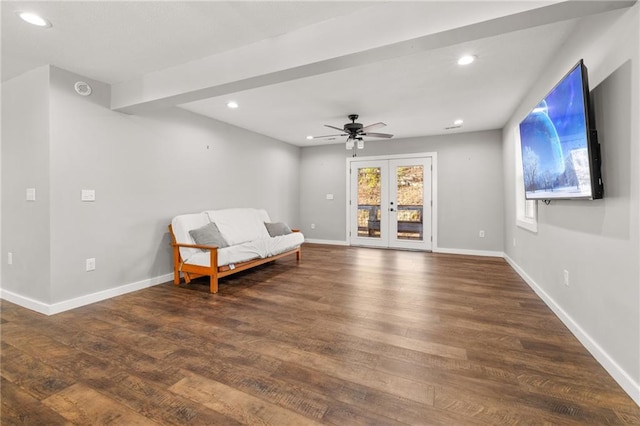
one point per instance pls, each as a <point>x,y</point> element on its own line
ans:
<point>434,189</point>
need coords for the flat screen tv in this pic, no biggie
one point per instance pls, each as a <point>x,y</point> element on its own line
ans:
<point>559,143</point>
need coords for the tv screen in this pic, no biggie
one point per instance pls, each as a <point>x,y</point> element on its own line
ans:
<point>560,150</point>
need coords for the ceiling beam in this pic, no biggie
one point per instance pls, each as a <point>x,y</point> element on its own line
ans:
<point>292,57</point>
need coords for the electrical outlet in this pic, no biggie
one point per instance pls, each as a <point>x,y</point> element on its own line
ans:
<point>566,277</point>
<point>514,241</point>
<point>9,258</point>
<point>313,226</point>
<point>91,264</point>
<point>481,234</point>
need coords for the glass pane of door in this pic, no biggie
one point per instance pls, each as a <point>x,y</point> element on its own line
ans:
<point>369,201</point>
<point>410,201</point>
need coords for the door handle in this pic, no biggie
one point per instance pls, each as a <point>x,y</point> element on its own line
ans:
<point>392,209</point>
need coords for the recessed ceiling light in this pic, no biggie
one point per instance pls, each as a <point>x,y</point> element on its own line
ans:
<point>466,60</point>
<point>232,104</point>
<point>458,122</point>
<point>309,137</point>
<point>34,19</point>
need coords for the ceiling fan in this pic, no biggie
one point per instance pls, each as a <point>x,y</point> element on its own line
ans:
<point>356,131</point>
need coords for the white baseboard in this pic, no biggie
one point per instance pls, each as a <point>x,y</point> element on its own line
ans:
<point>486,253</point>
<point>55,308</point>
<point>435,250</point>
<point>625,381</point>
<point>329,242</point>
<point>25,302</point>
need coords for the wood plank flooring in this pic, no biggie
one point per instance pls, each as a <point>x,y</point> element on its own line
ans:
<point>349,336</point>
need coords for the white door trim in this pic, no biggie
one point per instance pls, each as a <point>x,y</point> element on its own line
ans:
<point>434,189</point>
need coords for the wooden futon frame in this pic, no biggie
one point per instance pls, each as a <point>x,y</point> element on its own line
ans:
<point>214,271</point>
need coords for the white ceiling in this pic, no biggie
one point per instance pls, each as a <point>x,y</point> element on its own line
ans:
<point>294,66</point>
<point>115,41</point>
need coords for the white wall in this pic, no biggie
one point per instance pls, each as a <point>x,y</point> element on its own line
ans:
<point>469,179</point>
<point>145,170</point>
<point>25,164</point>
<point>596,241</point>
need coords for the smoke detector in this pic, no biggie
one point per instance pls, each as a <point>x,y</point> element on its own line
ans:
<point>82,88</point>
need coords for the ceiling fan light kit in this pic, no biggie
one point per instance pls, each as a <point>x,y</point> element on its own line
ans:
<point>349,144</point>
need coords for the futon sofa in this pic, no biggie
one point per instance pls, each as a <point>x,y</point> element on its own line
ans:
<point>217,243</point>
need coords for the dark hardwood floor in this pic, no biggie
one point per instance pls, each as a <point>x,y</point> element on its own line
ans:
<point>349,336</point>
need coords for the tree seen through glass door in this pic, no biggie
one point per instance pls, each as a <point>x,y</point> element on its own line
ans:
<point>369,199</point>
<point>410,202</point>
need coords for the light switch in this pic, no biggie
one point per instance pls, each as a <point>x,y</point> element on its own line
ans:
<point>90,264</point>
<point>31,194</point>
<point>88,195</point>
<point>329,196</point>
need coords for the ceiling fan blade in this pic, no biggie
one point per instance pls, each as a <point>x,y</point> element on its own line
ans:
<point>377,135</point>
<point>334,127</point>
<point>373,126</point>
<point>329,136</point>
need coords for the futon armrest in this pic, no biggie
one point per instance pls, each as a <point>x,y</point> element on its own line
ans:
<point>198,246</point>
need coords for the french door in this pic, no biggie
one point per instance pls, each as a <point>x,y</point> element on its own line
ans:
<point>390,203</point>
